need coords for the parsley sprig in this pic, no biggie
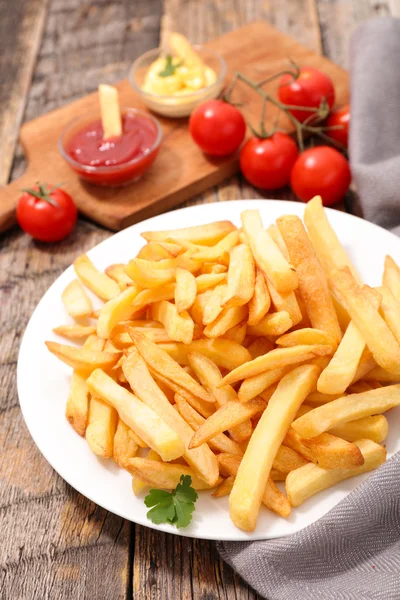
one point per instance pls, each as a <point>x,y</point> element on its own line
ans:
<point>169,68</point>
<point>174,507</point>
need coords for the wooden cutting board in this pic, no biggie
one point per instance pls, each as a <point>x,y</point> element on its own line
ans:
<point>181,170</point>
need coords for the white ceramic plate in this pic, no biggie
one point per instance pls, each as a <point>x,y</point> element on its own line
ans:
<point>43,381</point>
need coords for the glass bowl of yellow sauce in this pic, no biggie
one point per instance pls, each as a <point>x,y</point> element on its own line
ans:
<point>173,82</point>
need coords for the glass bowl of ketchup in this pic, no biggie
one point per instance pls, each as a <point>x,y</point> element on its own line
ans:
<point>118,160</point>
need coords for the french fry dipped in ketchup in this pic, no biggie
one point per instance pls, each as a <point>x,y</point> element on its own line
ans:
<point>117,148</point>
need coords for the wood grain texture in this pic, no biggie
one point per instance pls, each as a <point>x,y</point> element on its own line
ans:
<point>20,33</point>
<point>54,544</point>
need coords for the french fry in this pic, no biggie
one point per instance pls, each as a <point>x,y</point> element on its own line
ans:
<point>117,272</point>
<point>237,333</point>
<point>390,310</point>
<point>254,470</point>
<point>148,274</point>
<point>313,284</point>
<point>219,250</point>
<point>110,111</point>
<point>213,307</point>
<point>161,362</point>
<point>285,302</point>
<point>279,241</point>
<point>253,386</point>
<point>227,416</point>
<point>272,324</point>
<point>83,359</point>
<point>185,290</point>
<point>280,357</point>
<point>347,408</point>
<point>159,250</point>
<point>78,403</point>
<point>204,408</point>
<point>157,294</point>
<point>241,277</point>
<point>122,339</point>
<point>224,488</point>
<point>330,252</point>
<point>197,310</point>
<point>100,284</point>
<point>207,281</point>
<point>124,447</point>
<point>377,373</point>
<point>286,460</point>
<point>75,331</point>
<point>317,398</point>
<point>259,347</point>
<point>341,313</point>
<point>272,497</point>
<point>163,476</point>
<point>310,479</point>
<point>359,386</point>
<point>115,310</point>
<point>326,450</point>
<point>140,418</point>
<point>202,460</point>
<point>373,428</point>
<point>219,442</point>
<point>228,318</point>
<point>210,377</point>
<point>212,267</point>
<point>266,253</point>
<point>100,430</point>
<point>76,301</point>
<point>226,354</point>
<point>138,485</point>
<point>138,440</point>
<point>377,335</point>
<point>391,276</point>
<point>342,368</point>
<point>207,235</point>
<point>367,365</point>
<point>260,302</point>
<point>305,336</point>
<point>179,327</point>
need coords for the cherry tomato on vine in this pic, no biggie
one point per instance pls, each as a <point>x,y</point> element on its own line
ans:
<point>267,162</point>
<point>321,171</point>
<point>307,90</point>
<point>46,213</point>
<point>217,127</point>
<point>341,116</point>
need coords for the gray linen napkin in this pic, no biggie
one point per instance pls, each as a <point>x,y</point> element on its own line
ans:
<point>375,120</point>
<point>353,553</point>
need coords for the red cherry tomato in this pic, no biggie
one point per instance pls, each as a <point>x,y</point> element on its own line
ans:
<point>47,214</point>
<point>321,171</point>
<point>341,116</point>
<point>217,127</point>
<point>308,90</point>
<point>267,163</point>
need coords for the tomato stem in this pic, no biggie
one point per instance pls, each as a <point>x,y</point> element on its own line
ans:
<point>42,193</point>
<point>300,127</point>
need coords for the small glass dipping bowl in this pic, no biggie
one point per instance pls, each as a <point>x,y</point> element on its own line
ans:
<point>180,105</point>
<point>112,175</point>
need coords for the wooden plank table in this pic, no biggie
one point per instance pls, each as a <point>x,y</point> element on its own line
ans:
<point>55,544</point>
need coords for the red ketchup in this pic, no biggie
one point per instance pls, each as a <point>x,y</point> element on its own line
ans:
<point>117,160</point>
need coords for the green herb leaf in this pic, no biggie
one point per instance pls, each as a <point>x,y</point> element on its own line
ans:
<point>174,507</point>
<point>169,68</point>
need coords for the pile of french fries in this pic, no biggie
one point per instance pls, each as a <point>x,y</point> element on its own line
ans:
<point>242,357</point>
